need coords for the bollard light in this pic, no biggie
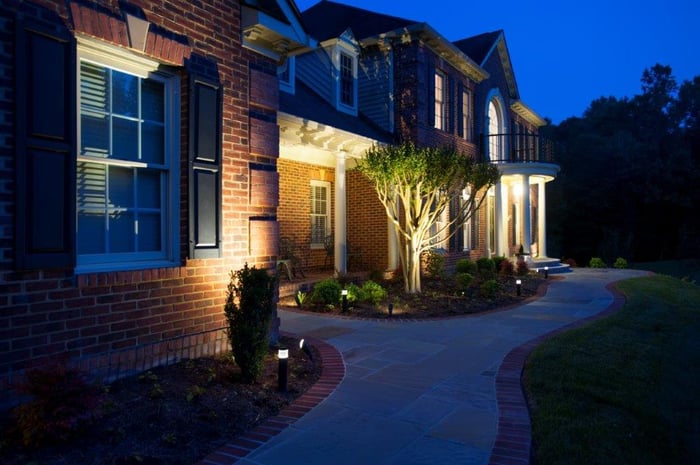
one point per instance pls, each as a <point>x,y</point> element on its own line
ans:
<point>344,293</point>
<point>282,356</point>
<point>518,286</point>
<point>546,272</point>
<point>391,309</point>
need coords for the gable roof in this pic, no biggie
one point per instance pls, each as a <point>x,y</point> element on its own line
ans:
<point>479,47</point>
<point>326,20</point>
<point>364,23</point>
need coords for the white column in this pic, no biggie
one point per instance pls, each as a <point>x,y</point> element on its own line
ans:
<point>340,234</point>
<point>541,220</point>
<point>526,231</point>
<point>503,222</point>
<point>499,243</point>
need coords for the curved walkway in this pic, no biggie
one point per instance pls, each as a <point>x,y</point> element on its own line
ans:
<point>422,392</point>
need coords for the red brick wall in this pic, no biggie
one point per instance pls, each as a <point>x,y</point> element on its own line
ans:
<point>49,315</point>
<point>294,209</point>
<point>367,222</point>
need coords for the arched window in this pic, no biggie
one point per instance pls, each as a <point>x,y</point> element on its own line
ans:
<point>496,136</point>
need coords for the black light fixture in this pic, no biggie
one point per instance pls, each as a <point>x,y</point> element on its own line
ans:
<point>344,293</point>
<point>518,286</point>
<point>391,309</point>
<point>546,272</point>
<point>283,357</point>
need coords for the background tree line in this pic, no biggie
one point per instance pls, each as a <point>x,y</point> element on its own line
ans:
<point>630,181</point>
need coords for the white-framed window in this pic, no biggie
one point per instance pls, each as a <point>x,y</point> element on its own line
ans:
<point>470,227</point>
<point>127,176</point>
<point>320,212</point>
<point>467,115</point>
<point>285,75</point>
<point>495,132</point>
<point>440,100</point>
<point>345,63</point>
<point>439,230</point>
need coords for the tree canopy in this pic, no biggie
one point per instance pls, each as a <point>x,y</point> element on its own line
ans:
<point>628,185</point>
<point>415,185</point>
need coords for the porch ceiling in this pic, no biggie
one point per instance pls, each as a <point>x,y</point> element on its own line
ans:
<point>536,171</point>
<point>309,141</point>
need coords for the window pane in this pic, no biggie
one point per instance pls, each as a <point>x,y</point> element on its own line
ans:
<point>121,187</point>
<point>92,183</point>
<point>94,88</point>
<point>126,139</point>
<point>125,94</point>
<point>153,143</point>
<point>149,232</point>
<point>149,189</point>
<point>152,101</point>
<point>121,232</point>
<point>91,233</point>
<point>94,135</point>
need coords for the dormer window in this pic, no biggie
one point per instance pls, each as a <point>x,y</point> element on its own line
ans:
<point>345,63</point>
<point>347,80</point>
<point>285,75</point>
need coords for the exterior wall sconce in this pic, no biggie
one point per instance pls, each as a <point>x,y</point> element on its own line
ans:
<point>344,294</point>
<point>283,357</point>
<point>518,286</point>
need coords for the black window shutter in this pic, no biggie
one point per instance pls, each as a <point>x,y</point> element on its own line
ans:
<point>45,146</point>
<point>450,104</point>
<point>205,168</point>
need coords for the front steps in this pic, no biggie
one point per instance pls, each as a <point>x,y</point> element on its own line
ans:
<point>553,265</point>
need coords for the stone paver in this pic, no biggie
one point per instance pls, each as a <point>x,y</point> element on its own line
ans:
<point>421,392</point>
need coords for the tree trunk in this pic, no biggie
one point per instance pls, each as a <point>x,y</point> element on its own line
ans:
<point>413,285</point>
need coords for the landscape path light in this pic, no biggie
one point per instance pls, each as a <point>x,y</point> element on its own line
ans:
<point>344,293</point>
<point>518,286</point>
<point>283,358</point>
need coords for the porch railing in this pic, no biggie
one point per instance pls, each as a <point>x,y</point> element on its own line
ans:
<point>517,148</point>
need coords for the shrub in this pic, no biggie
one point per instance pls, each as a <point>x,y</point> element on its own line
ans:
<point>62,402</point>
<point>620,263</point>
<point>571,262</point>
<point>507,268</point>
<point>464,280</point>
<point>597,262</point>
<point>485,264</point>
<point>464,265</point>
<point>373,292</point>
<point>521,268</point>
<point>435,263</point>
<point>490,288</point>
<point>355,293</point>
<point>498,262</point>
<point>249,318</point>
<point>326,292</point>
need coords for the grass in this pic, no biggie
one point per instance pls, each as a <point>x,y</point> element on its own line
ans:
<point>626,389</point>
<point>688,269</point>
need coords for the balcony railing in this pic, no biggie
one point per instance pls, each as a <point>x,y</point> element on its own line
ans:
<point>517,148</point>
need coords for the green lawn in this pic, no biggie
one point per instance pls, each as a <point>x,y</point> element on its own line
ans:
<point>626,389</point>
<point>688,269</point>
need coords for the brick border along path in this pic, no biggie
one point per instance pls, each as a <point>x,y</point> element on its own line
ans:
<point>513,444</point>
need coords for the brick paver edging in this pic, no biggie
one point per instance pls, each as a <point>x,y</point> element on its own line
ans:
<point>332,373</point>
<point>513,444</point>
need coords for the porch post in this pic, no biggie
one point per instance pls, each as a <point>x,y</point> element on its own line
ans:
<point>525,216</point>
<point>541,220</point>
<point>340,233</point>
<point>498,214</point>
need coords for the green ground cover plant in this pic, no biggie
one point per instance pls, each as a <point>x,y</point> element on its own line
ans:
<point>623,389</point>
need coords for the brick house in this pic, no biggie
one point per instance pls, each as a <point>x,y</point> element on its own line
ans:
<point>382,79</point>
<point>138,167</point>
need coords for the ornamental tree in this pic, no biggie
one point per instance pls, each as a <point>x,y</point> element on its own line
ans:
<point>415,185</point>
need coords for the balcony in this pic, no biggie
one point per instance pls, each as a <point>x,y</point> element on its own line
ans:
<point>517,148</point>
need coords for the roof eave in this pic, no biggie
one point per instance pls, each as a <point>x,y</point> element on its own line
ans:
<point>437,42</point>
<point>274,38</point>
<point>527,113</point>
